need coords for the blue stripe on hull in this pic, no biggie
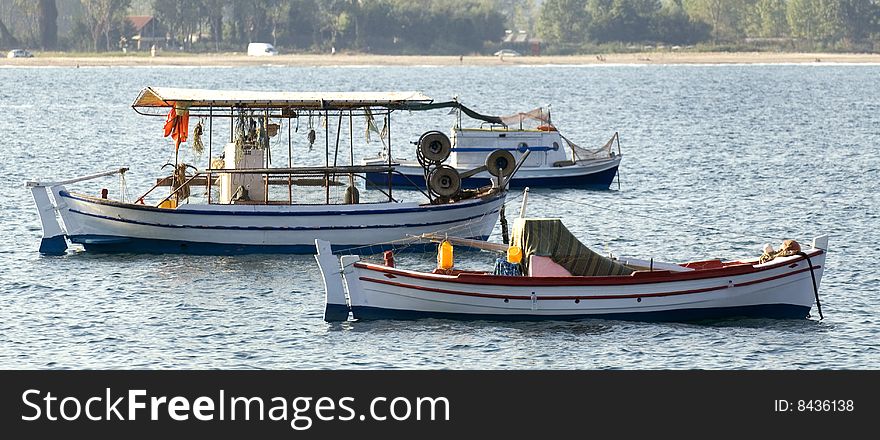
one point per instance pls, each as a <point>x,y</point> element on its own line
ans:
<point>773,311</point>
<point>115,245</point>
<point>325,212</point>
<point>600,180</point>
<point>284,228</point>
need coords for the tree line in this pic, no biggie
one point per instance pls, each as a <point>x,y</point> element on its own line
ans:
<point>804,24</point>
<point>444,26</point>
<point>379,26</point>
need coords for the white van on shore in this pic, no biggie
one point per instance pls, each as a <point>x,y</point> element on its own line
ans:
<point>261,49</point>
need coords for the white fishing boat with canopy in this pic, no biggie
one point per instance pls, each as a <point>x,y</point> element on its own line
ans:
<point>554,162</point>
<point>240,203</point>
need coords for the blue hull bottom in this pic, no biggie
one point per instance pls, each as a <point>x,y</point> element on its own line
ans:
<point>56,245</point>
<point>116,245</point>
<point>773,311</point>
<point>600,180</point>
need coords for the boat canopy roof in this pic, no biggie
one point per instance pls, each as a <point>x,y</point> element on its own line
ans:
<point>153,97</point>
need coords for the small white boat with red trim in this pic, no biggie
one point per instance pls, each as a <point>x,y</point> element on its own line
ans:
<point>557,277</point>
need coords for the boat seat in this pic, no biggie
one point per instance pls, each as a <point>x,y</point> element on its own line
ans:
<point>545,267</point>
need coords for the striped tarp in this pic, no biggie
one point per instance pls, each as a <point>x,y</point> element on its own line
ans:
<point>550,238</point>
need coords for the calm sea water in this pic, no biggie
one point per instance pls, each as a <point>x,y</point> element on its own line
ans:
<point>718,160</point>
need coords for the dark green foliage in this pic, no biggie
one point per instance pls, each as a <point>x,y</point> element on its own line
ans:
<point>449,26</point>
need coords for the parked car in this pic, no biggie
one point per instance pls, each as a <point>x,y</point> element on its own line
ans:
<point>507,53</point>
<point>19,53</point>
<point>261,49</point>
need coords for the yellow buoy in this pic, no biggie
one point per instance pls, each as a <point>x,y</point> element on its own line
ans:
<point>514,254</point>
<point>444,255</point>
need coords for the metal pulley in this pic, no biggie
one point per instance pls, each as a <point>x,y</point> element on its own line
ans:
<point>434,147</point>
<point>500,163</point>
<point>444,181</point>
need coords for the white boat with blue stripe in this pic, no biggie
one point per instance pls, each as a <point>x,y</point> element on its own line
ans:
<point>241,205</point>
<point>554,162</point>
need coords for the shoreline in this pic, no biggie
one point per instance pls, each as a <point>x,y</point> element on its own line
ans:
<point>325,60</point>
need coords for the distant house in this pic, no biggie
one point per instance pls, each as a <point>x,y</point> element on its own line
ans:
<point>521,42</point>
<point>147,31</point>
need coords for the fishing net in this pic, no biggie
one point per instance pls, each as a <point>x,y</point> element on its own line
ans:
<point>550,238</point>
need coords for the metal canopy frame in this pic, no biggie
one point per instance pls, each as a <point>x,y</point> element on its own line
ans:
<point>155,101</point>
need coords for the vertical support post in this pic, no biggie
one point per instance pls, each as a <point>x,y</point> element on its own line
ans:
<point>390,173</point>
<point>289,164</point>
<point>208,185</point>
<point>327,155</point>
<point>268,156</point>
<point>351,145</point>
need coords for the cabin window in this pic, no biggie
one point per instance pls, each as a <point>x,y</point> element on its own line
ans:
<point>556,146</point>
<point>523,147</point>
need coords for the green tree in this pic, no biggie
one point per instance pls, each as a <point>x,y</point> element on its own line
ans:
<point>564,21</point>
<point>100,16</point>
<point>622,20</point>
<point>725,16</point>
<point>767,19</point>
<point>182,17</point>
<point>859,18</point>
<point>303,30</point>
<point>815,20</point>
<point>673,25</point>
<point>48,23</point>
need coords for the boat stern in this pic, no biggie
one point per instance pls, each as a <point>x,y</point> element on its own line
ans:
<point>335,304</point>
<point>54,240</point>
<point>821,243</point>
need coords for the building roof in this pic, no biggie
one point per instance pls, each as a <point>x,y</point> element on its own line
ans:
<point>139,21</point>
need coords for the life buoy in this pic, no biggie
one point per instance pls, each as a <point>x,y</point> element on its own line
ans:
<point>546,127</point>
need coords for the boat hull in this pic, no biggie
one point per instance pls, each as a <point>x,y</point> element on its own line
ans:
<point>782,288</point>
<point>106,226</point>
<point>588,174</point>
<point>765,311</point>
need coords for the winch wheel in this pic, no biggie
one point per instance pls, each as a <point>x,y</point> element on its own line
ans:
<point>445,181</point>
<point>500,163</point>
<point>434,146</point>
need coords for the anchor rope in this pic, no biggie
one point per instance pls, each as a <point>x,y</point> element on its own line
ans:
<point>815,287</point>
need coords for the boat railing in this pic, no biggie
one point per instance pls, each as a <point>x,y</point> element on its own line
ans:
<point>285,176</point>
<point>35,183</point>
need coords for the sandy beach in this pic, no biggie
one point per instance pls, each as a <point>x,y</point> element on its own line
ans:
<point>238,59</point>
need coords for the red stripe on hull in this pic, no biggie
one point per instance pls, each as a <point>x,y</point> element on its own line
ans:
<point>637,278</point>
<point>580,297</point>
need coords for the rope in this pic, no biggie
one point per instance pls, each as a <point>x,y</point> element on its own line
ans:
<point>815,287</point>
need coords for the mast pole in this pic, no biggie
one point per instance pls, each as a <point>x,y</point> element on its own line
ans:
<point>289,164</point>
<point>390,172</point>
<point>210,149</point>
<point>327,154</point>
